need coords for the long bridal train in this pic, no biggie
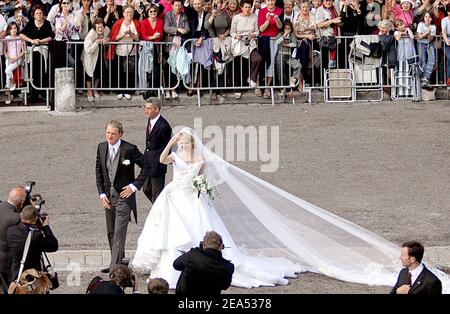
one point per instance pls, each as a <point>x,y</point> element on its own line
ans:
<point>271,234</point>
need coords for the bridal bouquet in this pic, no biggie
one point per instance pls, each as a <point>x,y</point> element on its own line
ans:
<point>202,185</point>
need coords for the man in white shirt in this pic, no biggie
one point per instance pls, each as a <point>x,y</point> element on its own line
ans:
<point>415,278</point>
<point>288,11</point>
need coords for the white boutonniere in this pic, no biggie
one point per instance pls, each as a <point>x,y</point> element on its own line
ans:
<point>126,162</point>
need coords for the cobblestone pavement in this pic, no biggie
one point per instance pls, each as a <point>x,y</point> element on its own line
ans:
<point>383,166</point>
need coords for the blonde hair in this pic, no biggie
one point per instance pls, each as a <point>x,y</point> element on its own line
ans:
<point>385,23</point>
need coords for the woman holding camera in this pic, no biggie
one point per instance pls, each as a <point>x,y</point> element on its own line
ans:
<point>153,31</point>
<point>125,30</point>
<point>110,13</point>
<point>269,24</point>
<point>328,22</point>
<point>92,56</point>
<point>66,27</point>
<point>218,24</point>
<point>244,30</point>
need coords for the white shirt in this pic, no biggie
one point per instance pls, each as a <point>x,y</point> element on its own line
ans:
<point>422,28</point>
<point>291,17</point>
<point>154,120</point>
<point>415,273</point>
<point>200,21</point>
<point>116,147</point>
<point>445,25</point>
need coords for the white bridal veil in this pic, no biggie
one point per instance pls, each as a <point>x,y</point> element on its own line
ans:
<point>265,220</point>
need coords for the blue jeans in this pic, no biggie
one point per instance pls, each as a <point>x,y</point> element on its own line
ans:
<point>428,59</point>
<point>447,57</point>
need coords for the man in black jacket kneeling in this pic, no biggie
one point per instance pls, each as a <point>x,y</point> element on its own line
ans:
<point>204,270</point>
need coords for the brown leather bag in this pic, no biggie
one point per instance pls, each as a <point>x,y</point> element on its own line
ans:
<point>31,281</point>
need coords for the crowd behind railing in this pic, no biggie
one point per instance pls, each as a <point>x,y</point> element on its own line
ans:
<point>134,46</point>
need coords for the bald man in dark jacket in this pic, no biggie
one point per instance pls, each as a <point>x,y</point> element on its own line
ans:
<point>9,216</point>
<point>204,270</point>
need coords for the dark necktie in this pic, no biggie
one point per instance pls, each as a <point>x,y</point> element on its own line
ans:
<point>409,279</point>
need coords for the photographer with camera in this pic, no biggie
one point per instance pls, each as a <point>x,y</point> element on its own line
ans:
<point>42,240</point>
<point>121,277</point>
<point>9,216</point>
<point>204,270</point>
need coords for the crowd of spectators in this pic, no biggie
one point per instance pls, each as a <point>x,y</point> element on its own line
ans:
<point>274,39</point>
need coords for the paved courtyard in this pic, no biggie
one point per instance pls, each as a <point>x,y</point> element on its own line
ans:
<point>383,166</point>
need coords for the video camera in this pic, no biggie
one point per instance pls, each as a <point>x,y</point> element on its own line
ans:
<point>35,200</point>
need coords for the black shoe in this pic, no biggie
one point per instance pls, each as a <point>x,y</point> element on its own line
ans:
<point>105,270</point>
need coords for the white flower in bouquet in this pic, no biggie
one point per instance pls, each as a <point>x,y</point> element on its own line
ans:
<point>202,185</point>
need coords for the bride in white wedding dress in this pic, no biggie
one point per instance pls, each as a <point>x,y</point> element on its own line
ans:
<point>269,234</point>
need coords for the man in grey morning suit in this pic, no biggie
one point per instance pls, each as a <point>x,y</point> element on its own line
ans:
<point>115,172</point>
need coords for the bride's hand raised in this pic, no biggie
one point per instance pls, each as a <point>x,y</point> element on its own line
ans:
<point>175,138</point>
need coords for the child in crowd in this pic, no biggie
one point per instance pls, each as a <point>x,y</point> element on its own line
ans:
<point>405,41</point>
<point>14,51</point>
<point>288,66</point>
<point>426,33</point>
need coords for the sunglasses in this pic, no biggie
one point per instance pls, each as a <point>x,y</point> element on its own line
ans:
<point>152,11</point>
<point>65,3</point>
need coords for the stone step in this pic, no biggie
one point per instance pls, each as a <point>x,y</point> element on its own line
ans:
<point>248,97</point>
<point>93,260</point>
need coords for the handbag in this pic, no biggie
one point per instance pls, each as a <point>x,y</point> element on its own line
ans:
<point>328,42</point>
<point>129,64</point>
<point>31,281</point>
<point>50,271</point>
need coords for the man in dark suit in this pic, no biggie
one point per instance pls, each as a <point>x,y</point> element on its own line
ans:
<point>114,172</point>
<point>153,174</point>
<point>42,240</point>
<point>9,216</point>
<point>415,278</point>
<point>121,277</point>
<point>204,270</point>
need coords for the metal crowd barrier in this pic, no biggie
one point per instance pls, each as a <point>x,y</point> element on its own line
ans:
<point>110,70</point>
<point>111,81</point>
<point>209,79</point>
<point>341,83</point>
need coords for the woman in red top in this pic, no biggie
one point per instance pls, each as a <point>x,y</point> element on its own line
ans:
<point>152,29</point>
<point>269,24</point>
<point>122,57</point>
